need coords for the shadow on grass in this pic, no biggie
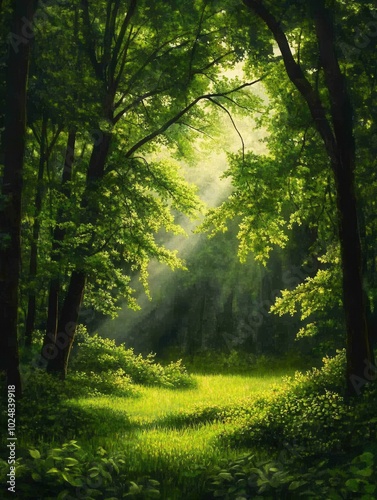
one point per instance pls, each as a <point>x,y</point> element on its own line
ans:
<point>67,420</point>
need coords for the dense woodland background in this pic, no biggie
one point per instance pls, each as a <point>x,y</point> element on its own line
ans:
<point>194,179</point>
<point>118,96</point>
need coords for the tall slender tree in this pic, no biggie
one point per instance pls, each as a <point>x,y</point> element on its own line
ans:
<point>11,189</point>
<point>335,126</point>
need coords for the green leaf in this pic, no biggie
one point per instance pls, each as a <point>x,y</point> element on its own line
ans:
<point>370,488</point>
<point>62,495</point>
<point>53,470</point>
<point>295,485</point>
<point>35,454</point>
<point>226,476</point>
<point>367,457</point>
<point>134,488</point>
<point>70,462</point>
<point>352,485</point>
<point>365,472</point>
<point>153,493</point>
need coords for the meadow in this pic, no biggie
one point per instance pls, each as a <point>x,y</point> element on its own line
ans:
<point>125,426</point>
<point>171,435</point>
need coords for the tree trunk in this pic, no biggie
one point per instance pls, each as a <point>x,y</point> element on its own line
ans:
<point>358,348</point>
<point>58,238</point>
<point>71,307</point>
<point>67,325</point>
<point>14,137</point>
<point>368,262</point>
<point>33,265</point>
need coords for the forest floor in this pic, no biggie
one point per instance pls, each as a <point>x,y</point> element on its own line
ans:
<point>170,435</point>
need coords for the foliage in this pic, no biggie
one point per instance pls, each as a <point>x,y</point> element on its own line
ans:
<point>310,415</point>
<point>99,355</point>
<point>286,477</point>
<point>47,412</point>
<point>68,471</point>
<point>182,438</point>
<point>241,362</point>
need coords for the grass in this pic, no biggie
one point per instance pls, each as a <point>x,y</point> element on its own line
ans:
<point>226,436</point>
<point>165,433</point>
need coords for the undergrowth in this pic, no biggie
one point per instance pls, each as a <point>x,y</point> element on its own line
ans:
<point>95,354</point>
<point>304,438</point>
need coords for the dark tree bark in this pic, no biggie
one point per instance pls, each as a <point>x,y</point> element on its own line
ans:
<point>10,213</point>
<point>67,325</point>
<point>58,238</point>
<point>358,348</point>
<point>340,147</point>
<point>33,264</point>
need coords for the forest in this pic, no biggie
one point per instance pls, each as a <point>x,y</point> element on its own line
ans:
<point>188,263</point>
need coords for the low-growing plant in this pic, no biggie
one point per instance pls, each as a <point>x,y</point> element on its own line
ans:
<point>48,411</point>
<point>99,355</point>
<point>233,362</point>
<point>68,472</point>
<point>310,413</point>
<point>285,477</point>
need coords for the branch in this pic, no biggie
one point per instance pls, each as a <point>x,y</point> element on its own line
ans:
<point>53,142</point>
<point>194,128</point>
<point>154,55</point>
<point>179,115</point>
<point>119,41</point>
<point>123,58</point>
<point>212,63</point>
<point>90,41</point>
<point>341,107</point>
<point>109,30</point>
<point>241,106</point>
<point>134,103</point>
<point>297,77</point>
<point>233,123</point>
<point>193,50</point>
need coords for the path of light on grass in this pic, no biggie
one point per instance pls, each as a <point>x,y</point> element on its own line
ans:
<point>156,403</point>
<point>151,447</point>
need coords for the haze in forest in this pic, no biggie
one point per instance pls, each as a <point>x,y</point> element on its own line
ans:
<point>206,172</point>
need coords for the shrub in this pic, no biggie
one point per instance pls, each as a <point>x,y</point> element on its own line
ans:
<point>310,414</point>
<point>240,362</point>
<point>41,385</point>
<point>213,361</point>
<point>100,355</point>
<point>45,411</point>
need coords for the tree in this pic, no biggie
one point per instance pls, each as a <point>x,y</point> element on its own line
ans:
<point>10,213</point>
<point>45,150</point>
<point>338,139</point>
<point>132,50</point>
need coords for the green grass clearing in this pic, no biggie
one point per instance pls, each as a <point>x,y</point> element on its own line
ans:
<point>177,457</point>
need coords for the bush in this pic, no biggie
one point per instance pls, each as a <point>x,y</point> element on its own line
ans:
<point>310,414</point>
<point>213,361</point>
<point>40,385</point>
<point>239,362</point>
<point>95,354</point>
<point>46,412</point>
